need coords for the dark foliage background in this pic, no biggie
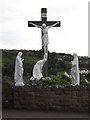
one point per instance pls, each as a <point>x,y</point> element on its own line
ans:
<point>57,63</point>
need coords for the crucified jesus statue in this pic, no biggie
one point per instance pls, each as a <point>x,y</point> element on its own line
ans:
<point>45,40</point>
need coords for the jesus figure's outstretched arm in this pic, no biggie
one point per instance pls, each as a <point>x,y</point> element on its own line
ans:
<point>53,25</point>
<point>35,25</point>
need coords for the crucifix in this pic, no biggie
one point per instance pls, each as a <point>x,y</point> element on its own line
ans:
<point>44,25</point>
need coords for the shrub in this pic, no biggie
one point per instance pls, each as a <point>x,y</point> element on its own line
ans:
<point>82,79</point>
<point>57,80</point>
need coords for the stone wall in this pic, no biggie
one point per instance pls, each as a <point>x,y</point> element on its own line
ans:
<point>58,99</point>
<point>7,95</point>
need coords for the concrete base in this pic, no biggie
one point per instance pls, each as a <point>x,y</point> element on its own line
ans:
<point>19,84</point>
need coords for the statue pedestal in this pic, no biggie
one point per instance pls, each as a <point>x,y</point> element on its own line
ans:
<point>19,84</point>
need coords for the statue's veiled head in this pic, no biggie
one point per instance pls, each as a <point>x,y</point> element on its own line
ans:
<point>74,54</point>
<point>20,54</point>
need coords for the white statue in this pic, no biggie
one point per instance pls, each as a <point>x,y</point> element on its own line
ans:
<point>18,76</point>
<point>75,71</point>
<point>45,40</point>
<point>37,70</point>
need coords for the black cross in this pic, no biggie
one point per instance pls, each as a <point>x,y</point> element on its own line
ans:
<point>48,23</point>
<point>44,20</point>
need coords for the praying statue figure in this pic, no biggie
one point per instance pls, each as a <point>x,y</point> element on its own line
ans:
<point>37,70</point>
<point>75,71</point>
<point>45,40</point>
<point>18,76</point>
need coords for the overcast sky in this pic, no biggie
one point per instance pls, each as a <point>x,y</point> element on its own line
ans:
<point>71,37</point>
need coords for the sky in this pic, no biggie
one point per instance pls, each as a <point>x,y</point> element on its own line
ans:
<point>71,37</point>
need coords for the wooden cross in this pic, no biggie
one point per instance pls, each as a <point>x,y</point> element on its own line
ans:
<point>48,23</point>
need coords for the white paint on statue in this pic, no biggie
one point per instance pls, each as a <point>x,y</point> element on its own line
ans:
<point>37,70</point>
<point>18,76</point>
<point>45,38</point>
<point>75,71</point>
